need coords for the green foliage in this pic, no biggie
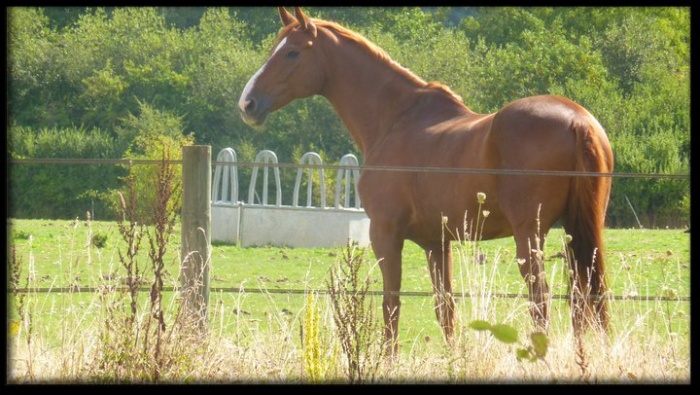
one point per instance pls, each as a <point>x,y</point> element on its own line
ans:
<point>504,333</point>
<point>61,191</point>
<point>21,235</point>
<point>102,97</point>
<point>536,350</point>
<point>501,25</point>
<point>99,240</point>
<point>155,135</point>
<point>412,24</point>
<point>536,61</point>
<point>94,67</point>
<point>37,86</point>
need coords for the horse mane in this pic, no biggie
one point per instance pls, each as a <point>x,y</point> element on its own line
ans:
<point>380,53</point>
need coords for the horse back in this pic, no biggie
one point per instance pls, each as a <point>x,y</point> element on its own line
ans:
<point>534,133</point>
<point>539,133</point>
<point>550,133</point>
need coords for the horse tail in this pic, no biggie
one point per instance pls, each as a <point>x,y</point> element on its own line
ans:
<point>584,222</point>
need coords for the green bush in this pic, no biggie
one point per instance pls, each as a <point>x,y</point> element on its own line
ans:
<point>155,135</point>
<point>57,190</point>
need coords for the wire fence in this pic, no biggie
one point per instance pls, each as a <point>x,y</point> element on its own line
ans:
<point>417,169</point>
<point>459,295</point>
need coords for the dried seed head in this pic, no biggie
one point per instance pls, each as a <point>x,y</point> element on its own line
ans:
<point>481,197</point>
<point>538,253</point>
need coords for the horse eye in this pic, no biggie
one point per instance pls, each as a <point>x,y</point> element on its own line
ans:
<point>292,54</point>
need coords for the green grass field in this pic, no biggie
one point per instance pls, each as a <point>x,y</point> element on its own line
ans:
<point>643,262</point>
<point>68,255</point>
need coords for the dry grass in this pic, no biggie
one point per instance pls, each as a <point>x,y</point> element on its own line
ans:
<point>237,349</point>
<point>276,357</point>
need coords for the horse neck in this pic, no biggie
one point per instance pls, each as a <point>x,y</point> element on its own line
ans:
<point>370,94</point>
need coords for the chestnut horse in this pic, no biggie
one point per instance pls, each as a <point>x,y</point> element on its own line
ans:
<point>398,120</point>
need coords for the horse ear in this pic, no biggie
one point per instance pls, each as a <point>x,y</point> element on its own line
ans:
<point>286,17</point>
<point>305,22</point>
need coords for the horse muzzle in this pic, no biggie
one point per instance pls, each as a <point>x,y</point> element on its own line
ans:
<point>254,110</point>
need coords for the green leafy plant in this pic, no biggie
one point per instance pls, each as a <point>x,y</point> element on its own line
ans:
<point>154,135</point>
<point>99,240</point>
<point>535,351</point>
<point>21,235</point>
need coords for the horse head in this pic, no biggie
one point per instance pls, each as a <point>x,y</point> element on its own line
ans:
<point>290,72</point>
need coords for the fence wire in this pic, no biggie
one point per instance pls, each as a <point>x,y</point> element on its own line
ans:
<point>458,295</point>
<point>416,169</point>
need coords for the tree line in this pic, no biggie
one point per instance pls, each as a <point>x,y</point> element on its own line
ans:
<point>126,82</point>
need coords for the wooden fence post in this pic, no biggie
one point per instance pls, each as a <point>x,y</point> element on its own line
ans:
<point>196,231</point>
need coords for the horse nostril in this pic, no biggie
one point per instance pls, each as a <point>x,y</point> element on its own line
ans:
<point>247,105</point>
<point>250,105</point>
<point>253,110</point>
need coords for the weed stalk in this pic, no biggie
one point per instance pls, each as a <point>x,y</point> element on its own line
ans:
<point>354,316</point>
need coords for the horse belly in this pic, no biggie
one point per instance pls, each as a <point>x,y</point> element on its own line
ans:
<point>446,206</point>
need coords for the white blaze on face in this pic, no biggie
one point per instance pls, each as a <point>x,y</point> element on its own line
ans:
<point>251,82</point>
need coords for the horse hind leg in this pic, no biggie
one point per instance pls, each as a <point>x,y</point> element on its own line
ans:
<point>529,253</point>
<point>587,288</point>
<point>440,266</point>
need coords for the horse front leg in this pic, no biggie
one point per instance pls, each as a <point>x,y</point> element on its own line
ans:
<point>530,263</point>
<point>387,249</point>
<point>440,265</point>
